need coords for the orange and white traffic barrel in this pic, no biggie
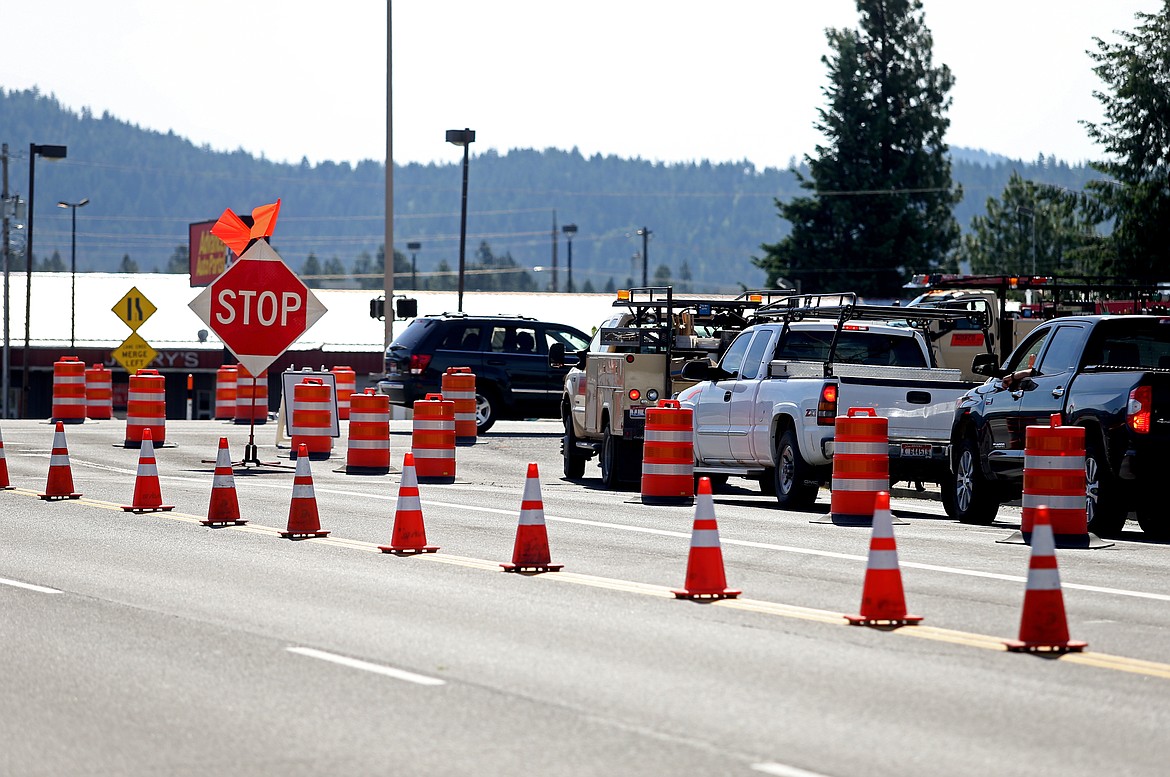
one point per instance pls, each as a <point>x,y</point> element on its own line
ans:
<point>346,380</point>
<point>312,418</point>
<point>251,396</point>
<point>225,392</point>
<point>861,465</point>
<point>432,439</point>
<point>99,393</point>
<point>668,455</point>
<point>1054,476</point>
<point>69,390</point>
<point>146,408</point>
<point>369,434</point>
<point>459,386</point>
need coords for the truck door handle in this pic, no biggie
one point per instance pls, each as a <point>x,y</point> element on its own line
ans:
<point>726,396</point>
<point>1018,394</point>
<point>1058,392</point>
<point>495,361</point>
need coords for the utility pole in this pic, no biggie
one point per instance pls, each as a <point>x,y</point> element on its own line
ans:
<point>555,239</point>
<point>7,315</point>
<point>645,233</point>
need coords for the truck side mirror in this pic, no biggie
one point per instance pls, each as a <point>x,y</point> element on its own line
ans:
<point>558,358</point>
<point>987,364</point>
<point>699,370</point>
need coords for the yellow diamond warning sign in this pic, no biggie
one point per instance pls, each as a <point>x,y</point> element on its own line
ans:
<point>135,353</point>
<point>134,309</point>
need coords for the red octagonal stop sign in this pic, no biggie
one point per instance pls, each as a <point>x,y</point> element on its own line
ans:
<point>258,307</point>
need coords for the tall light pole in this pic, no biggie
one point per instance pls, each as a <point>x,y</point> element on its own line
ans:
<point>464,137</point>
<point>48,152</point>
<point>73,269</point>
<point>645,233</point>
<point>569,230</point>
<point>413,247</point>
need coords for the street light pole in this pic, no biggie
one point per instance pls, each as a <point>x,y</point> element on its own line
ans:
<point>645,233</point>
<point>464,137</point>
<point>413,247</point>
<point>570,230</point>
<point>73,269</point>
<point>48,152</point>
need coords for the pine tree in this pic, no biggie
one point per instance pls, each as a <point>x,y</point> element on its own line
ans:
<point>310,270</point>
<point>128,264</point>
<point>1136,133</point>
<point>882,192</point>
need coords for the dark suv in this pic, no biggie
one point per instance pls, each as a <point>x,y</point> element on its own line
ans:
<point>508,354</point>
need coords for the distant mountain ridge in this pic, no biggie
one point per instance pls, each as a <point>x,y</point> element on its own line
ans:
<point>706,219</point>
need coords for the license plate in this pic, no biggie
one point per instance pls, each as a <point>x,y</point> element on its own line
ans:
<point>916,450</point>
<point>392,368</point>
<point>637,412</point>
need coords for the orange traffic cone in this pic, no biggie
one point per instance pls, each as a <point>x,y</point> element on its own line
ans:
<point>224,507</point>
<point>4,484</point>
<point>530,553</point>
<point>1043,626</point>
<point>303,520</point>
<point>883,602</point>
<point>705,576</point>
<point>147,492</point>
<point>60,484</point>
<point>410,535</point>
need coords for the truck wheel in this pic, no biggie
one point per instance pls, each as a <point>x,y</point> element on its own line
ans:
<point>487,409</point>
<point>611,459</point>
<point>792,492</point>
<point>574,458</point>
<point>972,497</point>
<point>1103,505</point>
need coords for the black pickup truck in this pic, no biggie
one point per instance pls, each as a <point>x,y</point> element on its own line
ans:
<point>1109,374</point>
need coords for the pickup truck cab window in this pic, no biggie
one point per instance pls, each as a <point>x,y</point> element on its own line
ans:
<point>733,359</point>
<point>1062,352</point>
<point>755,354</point>
<point>1025,356</point>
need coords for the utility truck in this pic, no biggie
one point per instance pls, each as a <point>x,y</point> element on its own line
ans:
<point>633,360</point>
<point>767,410</point>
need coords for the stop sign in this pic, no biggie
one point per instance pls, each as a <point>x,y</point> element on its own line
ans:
<point>258,307</point>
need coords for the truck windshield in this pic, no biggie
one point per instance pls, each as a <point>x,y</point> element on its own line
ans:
<point>853,347</point>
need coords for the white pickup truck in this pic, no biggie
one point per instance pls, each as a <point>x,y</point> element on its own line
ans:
<point>767,410</point>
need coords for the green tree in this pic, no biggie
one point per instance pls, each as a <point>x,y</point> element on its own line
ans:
<point>588,288</point>
<point>310,270</point>
<point>883,199</point>
<point>179,261</point>
<point>55,263</point>
<point>661,276</point>
<point>1032,228</point>
<point>337,275</point>
<point>1136,133</point>
<point>363,272</point>
<point>444,279</point>
<point>684,276</point>
<point>128,264</point>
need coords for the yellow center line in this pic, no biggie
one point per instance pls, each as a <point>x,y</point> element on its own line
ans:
<point>919,631</point>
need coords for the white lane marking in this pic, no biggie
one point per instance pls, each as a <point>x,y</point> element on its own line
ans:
<point>782,770</point>
<point>366,666</point>
<point>38,588</point>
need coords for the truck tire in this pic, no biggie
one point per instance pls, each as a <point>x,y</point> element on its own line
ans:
<point>1104,508</point>
<point>487,409</point>
<point>574,458</point>
<point>612,459</point>
<point>973,499</point>
<point>791,474</point>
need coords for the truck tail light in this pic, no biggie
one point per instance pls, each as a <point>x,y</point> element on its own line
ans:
<point>827,405</point>
<point>635,395</point>
<point>419,362</point>
<point>1138,410</point>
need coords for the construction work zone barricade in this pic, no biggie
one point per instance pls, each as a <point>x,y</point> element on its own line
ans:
<point>225,392</point>
<point>861,466</point>
<point>369,434</point>
<point>409,535</point>
<point>345,380</point>
<point>304,521</point>
<point>99,393</point>
<point>146,408</point>
<point>706,578</point>
<point>432,439</point>
<point>459,386</point>
<point>69,390</point>
<point>59,484</point>
<point>1043,625</point>
<point>4,483</point>
<point>883,600</point>
<point>530,552</point>
<point>312,419</point>
<point>147,490</point>
<point>1054,476</point>
<point>251,396</point>
<point>668,455</point>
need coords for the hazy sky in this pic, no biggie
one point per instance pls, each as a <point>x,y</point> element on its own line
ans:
<point>669,80</point>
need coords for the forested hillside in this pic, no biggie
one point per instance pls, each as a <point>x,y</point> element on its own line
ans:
<point>707,220</point>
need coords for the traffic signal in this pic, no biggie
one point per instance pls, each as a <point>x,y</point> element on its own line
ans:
<point>405,308</point>
<point>378,308</point>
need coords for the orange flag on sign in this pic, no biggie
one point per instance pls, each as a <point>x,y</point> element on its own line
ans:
<point>232,230</point>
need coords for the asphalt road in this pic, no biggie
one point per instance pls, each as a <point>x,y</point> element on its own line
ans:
<point>152,645</point>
